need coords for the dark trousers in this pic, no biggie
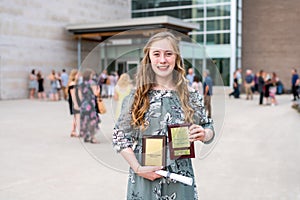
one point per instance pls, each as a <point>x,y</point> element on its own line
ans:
<point>295,92</point>
<point>235,93</point>
<point>261,97</point>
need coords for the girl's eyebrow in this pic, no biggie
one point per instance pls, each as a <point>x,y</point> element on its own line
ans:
<point>166,50</point>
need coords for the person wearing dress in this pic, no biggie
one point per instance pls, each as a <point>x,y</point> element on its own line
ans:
<point>73,100</point>
<point>89,118</point>
<point>32,84</point>
<point>41,91</point>
<point>122,89</point>
<point>53,82</point>
<point>197,85</point>
<point>161,98</point>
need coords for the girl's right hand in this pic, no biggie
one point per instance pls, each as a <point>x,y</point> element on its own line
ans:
<point>148,172</point>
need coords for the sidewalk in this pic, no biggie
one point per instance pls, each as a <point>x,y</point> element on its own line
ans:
<point>257,156</point>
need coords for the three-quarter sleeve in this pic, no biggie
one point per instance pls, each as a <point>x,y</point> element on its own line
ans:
<point>123,130</point>
<point>200,116</point>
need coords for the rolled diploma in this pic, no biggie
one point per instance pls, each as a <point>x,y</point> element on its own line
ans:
<point>176,177</point>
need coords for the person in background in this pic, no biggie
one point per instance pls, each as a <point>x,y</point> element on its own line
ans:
<point>111,83</point>
<point>103,84</point>
<point>54,81</point>
<point>255,89</point>
<point>295,84</point>
<point>64,83</point>
<point>197,85</point>
<point>239,78</point>
<point>122,89</point>
<point>161,98</point>
<point>248,84</point>
<point>74,102</point>
<point>261,86</point>
<point>58,85</point>
<point>190,76</point>
<point>273,88</point>
<point>89,118</point>
<point>268,84</point>
<point>235,91</point>
<point>207,92</point>
<point>41,91</point>
<point>32,84</point>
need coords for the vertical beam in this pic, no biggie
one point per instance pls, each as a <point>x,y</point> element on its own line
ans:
<point>1,79</point>
<point>79,53</point>
<point>205,56</point>
<point>233,32</point>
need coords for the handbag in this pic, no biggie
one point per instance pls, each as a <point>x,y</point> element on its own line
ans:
<point>101,105</point>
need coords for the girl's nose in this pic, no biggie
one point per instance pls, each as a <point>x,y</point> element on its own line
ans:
<point>162,58</point>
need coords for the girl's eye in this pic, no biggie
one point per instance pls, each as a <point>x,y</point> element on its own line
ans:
<point>169,53</point>
<point>156,54</point>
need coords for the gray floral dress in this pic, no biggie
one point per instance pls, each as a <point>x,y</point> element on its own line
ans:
<point>165,109</point>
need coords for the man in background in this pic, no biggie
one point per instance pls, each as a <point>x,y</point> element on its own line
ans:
<point>64,83</point>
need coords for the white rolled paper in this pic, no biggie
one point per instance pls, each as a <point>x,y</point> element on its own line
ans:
<point>176,177</point>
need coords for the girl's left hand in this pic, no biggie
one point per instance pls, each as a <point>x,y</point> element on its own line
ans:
<point>196,133</point>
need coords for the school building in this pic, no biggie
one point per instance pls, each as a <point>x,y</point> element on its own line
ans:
<point>228,34</point>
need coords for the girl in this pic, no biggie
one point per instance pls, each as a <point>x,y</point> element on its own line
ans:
<point>161,98</point>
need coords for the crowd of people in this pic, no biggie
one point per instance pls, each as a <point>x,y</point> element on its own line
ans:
<point>58,83</point>
<point>81,90</point>
<point>266,85</point>
<point>84,89</point>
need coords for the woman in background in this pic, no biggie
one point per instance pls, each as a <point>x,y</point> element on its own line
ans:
<point>122,89</point>
<point>32,84</point>
<point>40,80</point>
<point>74,104</point>
<point>89,118</point>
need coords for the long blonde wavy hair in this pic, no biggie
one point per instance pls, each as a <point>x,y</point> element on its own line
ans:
<point>145,81</point>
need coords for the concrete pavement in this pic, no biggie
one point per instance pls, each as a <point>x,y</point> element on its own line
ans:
<point>257,156</point>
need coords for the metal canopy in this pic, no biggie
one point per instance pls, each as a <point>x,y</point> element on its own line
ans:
<point>138,26</point>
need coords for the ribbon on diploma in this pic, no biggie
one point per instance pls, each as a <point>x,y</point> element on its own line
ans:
<point>176,177</point>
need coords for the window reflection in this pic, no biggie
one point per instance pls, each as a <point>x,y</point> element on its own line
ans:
<point>214,25</point>
<point>215,11</point>
<point>219,38</point>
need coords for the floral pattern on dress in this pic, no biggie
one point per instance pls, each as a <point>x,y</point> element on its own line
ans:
<point>164,109</point>
<point>89,118</point>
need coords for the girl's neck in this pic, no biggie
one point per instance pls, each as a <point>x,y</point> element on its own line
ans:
<point>164,86</point>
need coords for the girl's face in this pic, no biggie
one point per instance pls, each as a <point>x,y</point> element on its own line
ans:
<point>163,59</point>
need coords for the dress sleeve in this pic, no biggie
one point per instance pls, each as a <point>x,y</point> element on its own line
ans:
<point>200,116</point>
<point>123,131</point>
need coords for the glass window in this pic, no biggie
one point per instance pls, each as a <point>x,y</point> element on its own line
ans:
<point>218,11</point>
<point>197,2</point>
<point>172,13</point>
<point>178,13</point>
<point>141,4</point>
<point>170,3</point>
<point>197,12</point>
<point>216,1</point>
<point>219,38</point>
<point>214,25</point>
<point>199,38</point>
<point>222,68</point>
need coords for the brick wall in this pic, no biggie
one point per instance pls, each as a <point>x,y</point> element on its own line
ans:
<point>271,37</point>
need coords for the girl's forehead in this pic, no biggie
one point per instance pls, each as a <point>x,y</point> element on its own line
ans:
<point>161,45</point>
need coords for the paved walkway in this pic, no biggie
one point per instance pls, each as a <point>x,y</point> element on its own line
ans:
<point>257,156</point>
